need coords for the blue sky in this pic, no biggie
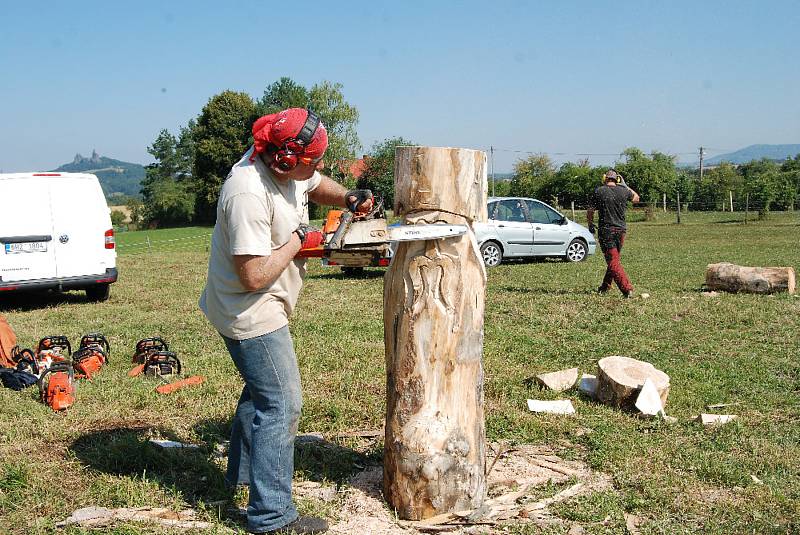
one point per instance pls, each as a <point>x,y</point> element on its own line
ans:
<point>553,77</point>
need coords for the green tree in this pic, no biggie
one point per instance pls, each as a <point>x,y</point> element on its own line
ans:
<point>136,209</point>
<point>379,172</point>
<point>713,190</point>
<point>167,189</point>
<point>327,101</point>
<point>575,182</point>
<point>790,171</point>
<point>651,176</point>
<point>220,137</point>
<point>117,218</point>
<point>760,183</point>
<point>532,177</point>
<point>340,120</point>
<point>283,94</point>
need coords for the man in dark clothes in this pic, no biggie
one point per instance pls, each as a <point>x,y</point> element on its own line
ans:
<point>611,200</point>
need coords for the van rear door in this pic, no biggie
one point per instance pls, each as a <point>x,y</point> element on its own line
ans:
<point>80,219</point>
<point>26,230</point>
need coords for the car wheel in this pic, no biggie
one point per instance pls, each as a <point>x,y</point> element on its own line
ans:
<point>492,254</point>
<point>576,251</point>
<point>100,292</point>
<point>352,271</point>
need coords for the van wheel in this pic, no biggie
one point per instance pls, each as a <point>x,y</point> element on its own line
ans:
<point>99,292</point>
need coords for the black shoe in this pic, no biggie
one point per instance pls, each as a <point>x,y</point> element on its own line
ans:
<point>602,290</point>
<point>303,525</point>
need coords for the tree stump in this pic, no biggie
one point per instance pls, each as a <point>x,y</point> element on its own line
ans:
<point>434,292</point>
<point>619,380</point>
<point>758,280</point>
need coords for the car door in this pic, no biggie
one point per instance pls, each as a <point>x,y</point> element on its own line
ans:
<point>80,219</point>
<point>26,230</point>
<point>550,237</point>
<point>513,227</point>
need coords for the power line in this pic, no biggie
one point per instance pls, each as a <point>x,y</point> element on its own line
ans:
<point>518,151</point>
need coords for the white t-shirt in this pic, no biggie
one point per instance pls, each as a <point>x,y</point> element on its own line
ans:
<point>256,213</point>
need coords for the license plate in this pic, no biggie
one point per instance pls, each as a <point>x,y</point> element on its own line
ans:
<point>26,247</point>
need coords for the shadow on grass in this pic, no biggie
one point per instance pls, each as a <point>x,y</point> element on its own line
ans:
<point>25,301</point>
<point>194,474</point>
<point>315,458</point>
<point>547,290</point>
<point>341,275</point>
<point>126,451</point>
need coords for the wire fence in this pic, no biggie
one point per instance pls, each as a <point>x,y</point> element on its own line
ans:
<point>197,242</point>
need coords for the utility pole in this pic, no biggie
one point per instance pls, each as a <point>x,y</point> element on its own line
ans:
<point>491,162</point>
<point>701,164</point>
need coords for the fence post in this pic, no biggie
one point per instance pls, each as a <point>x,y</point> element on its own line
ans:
<point>679,208</point>
<point>148,243</point>
<point>730,193</point>
<point>665,203</point>
<point>573,210</point>
<point>746,207</point>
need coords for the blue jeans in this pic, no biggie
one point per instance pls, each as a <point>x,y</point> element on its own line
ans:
<point>264,427</point>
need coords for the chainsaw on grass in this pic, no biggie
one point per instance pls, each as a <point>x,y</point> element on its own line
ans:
<point>91,356</point>
<point>57,385</point>
<point>161,364</point>
<point>350,238</point>
<point>145,346</point>
<point>52,349</point>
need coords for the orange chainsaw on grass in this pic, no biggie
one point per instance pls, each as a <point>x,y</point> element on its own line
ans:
<point>57,385</point>
<point>350,238</point>
<point>91,356</point>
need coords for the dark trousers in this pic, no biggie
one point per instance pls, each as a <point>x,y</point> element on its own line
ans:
<point>611,240</point>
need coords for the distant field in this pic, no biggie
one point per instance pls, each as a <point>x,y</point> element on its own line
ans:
<point>540,316</point>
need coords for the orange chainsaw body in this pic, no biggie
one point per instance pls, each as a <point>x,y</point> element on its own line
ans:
<point>57,386</point>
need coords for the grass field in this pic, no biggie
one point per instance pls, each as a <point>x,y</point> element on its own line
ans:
<point>540,316</point>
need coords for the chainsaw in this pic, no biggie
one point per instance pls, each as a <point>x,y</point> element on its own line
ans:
<point>165,365</point>
<point>162,364</point>
<point>96,340</point>
<point>91,356</point>
<point>57,386</point>
<point>52,349</point>
<point>145,346</point>
<point>353,238</point>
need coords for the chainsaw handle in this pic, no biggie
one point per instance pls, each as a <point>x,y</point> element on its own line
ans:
<point>338,236</point>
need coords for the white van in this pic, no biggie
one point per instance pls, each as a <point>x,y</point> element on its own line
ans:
<point>55,233</point>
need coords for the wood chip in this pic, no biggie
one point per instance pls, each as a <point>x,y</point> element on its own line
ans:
<point>92,517</point>
<point>716,419</point>
<point>561,496</point>
<point>558,406</point>
<point>560,380</point>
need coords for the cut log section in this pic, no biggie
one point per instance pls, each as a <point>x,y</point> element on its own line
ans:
<point>619,380</point>
<point>434,293</point>
<point>758,280</point>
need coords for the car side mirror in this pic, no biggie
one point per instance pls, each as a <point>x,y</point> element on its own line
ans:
<point>563,220</point>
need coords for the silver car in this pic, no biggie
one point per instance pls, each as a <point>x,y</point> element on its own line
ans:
<point>519,227</point>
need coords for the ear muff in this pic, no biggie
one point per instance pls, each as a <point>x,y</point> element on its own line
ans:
<point>286,156</point>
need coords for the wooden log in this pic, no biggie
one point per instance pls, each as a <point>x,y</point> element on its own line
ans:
<point>619,380</point>
<point>760,280</point>
<point>434,292</point>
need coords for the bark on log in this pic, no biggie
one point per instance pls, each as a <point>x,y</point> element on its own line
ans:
<point>434,453</point>
<point>619,380</point>
<point>760,280</point>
